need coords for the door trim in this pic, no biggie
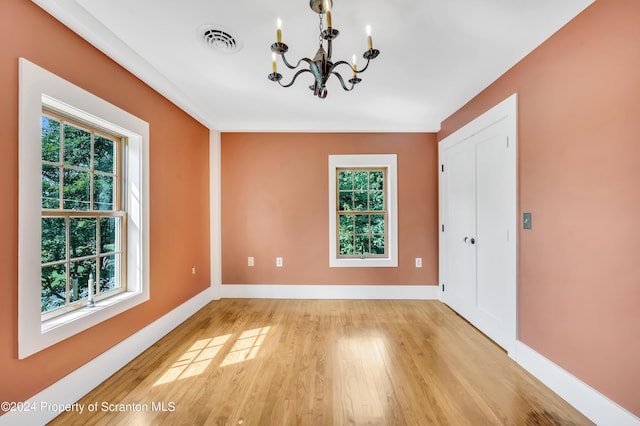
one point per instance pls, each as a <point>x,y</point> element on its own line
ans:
<point>505,110</point>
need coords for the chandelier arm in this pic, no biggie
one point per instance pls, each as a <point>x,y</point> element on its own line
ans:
<point>365,67</point>
<point>340,63</point>
<point>307,60</point>
<point>350,66</point>
<point>344,86</point>
<point>293,80</point>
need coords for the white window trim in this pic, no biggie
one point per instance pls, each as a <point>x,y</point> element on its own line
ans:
<point>39,87</point>
<point>388,161</point>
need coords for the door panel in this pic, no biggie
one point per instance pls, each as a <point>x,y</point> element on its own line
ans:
<point>460,264</point>
<point>493,210</point>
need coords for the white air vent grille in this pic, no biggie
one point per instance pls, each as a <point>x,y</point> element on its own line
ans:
<point>220,38</point>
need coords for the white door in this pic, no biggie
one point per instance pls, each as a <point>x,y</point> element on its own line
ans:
<point>479,214</point>
<point>460,228</point>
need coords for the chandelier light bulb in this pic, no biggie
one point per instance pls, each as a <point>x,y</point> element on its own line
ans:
<point>327,7</point>
<point>279,31</point>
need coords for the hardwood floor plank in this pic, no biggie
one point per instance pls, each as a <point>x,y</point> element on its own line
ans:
<point>324,362</point>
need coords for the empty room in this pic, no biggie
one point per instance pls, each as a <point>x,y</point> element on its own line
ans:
<point>321,212</point>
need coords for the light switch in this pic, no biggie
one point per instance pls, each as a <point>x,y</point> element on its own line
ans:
<point>526,220</point>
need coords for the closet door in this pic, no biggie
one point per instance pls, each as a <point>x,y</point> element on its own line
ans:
<point>478,236</point>
<point>458,171</point>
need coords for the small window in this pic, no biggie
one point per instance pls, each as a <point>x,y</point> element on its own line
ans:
<point>363,210</point>
<point>83,250</point>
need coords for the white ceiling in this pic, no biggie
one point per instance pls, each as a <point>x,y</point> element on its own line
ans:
<point>435,56</point>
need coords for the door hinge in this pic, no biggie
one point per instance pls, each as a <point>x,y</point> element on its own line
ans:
<point>443,227</point>
<point>442,286</point>
<point>442,167</point>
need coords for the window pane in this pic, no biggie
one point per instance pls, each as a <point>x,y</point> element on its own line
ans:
<point>82,237</point>
<point>345,200</point>
<point>376,181</point>
<point>103,192</point>
<point>108,229</point>
<point>108,276</point>
<point>377,244</point>
<point>50,187</point>
<point>53,287</point>
<point>360,201</point>
<point>77,146</point>
<point>104,154</point>
<point>346,244</point>
<point>362,244</point>
<point>377,224</point>
<point>361,180</point>
<point>345,180</point>
<point>50,139</point>
<point>376,203</point>
<point>346,223</point>
<point>54,246</point>
<point>77,190</point>
<point>79,274</point>
<point>362,224</point>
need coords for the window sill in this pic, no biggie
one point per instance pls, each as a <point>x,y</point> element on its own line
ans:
<point>367,262</point>
<point>86,311</point>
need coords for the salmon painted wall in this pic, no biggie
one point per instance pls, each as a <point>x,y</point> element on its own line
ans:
<point>579,149</point>
<point>275,202</point>
<point>179,194</point>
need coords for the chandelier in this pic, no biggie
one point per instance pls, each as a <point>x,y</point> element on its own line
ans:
<point>321,66</point>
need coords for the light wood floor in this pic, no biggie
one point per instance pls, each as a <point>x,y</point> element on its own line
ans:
<point>324,362</point>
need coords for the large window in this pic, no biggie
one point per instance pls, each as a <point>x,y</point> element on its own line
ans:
<point>362,210</point>
<point>83,229</point>
<point>83,214</point>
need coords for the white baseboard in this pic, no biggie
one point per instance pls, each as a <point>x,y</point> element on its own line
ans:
<point>273,291</point>
<point>75,385</point>
<point>595,406</point>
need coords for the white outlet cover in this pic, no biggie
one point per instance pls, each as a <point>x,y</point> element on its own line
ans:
<point>418,262</point>
<point>279,262</point>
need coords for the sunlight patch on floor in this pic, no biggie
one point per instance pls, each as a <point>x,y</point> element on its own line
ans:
<point>195,360</point>
<point>247,346</point>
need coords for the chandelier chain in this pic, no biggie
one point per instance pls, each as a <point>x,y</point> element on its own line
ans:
<point>321,27</point>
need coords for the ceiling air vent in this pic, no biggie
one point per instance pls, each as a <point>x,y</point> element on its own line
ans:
<point>220,38</point>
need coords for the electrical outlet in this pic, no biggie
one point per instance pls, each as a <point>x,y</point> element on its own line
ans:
<point>250,261</point>
<point>279,262</point>
<point>418,262</point>
<point>193,270</point>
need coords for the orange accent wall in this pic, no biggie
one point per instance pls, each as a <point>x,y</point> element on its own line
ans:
<point>275,202</point>
<point>579,149</point>
<point>179,194</point>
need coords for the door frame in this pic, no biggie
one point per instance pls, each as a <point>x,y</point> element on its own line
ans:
<point>505,110</point>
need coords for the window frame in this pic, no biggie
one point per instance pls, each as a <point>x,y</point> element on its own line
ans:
<point>37,88</point>
<point>368,212</point>
<point>365,161</point>
<point>118,211</point>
